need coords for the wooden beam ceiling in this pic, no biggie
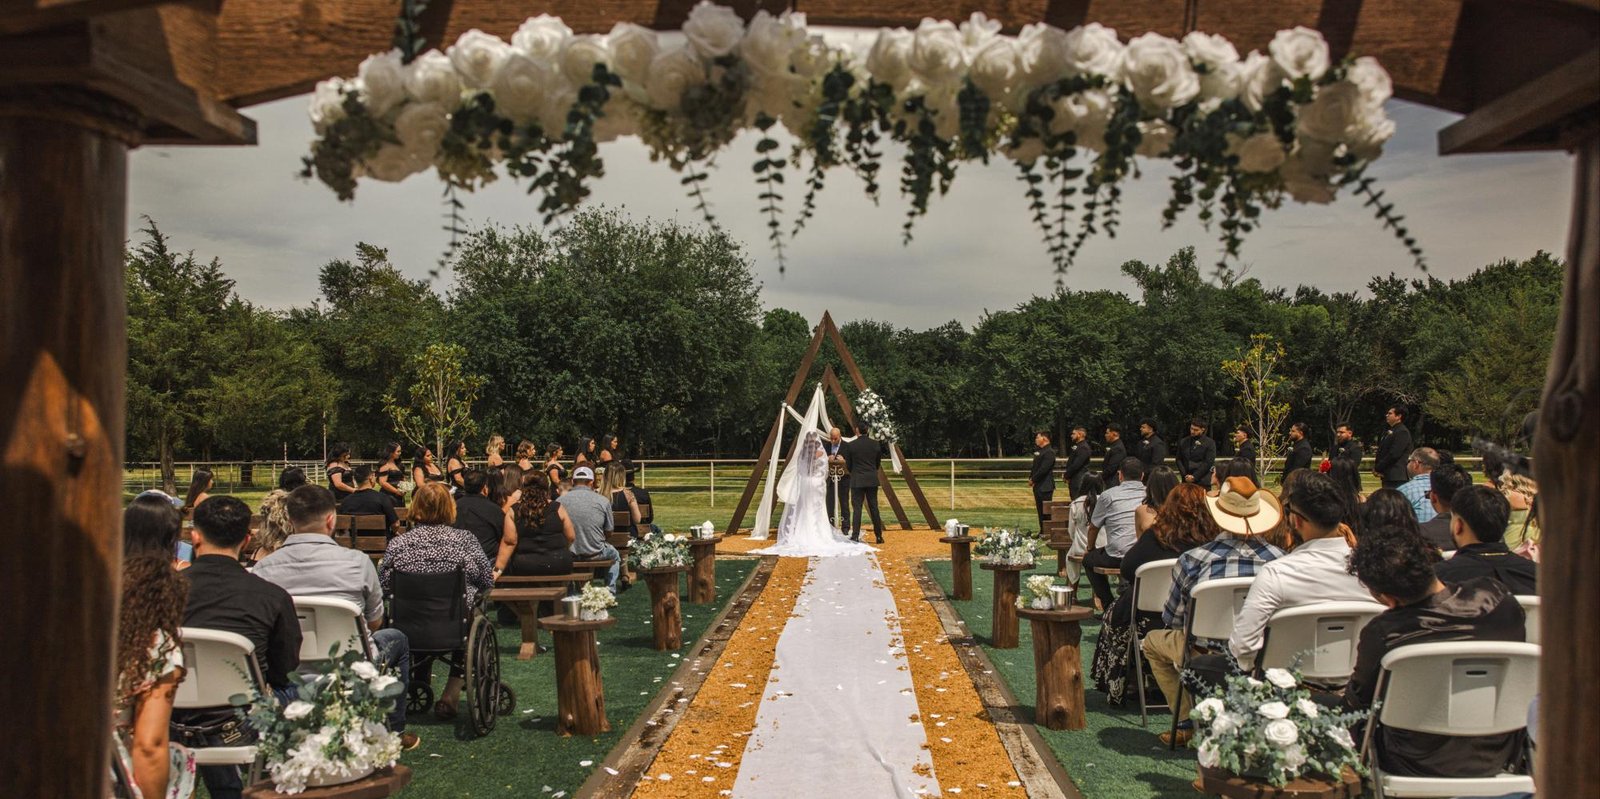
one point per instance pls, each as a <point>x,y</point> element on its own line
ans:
<point>1536,115</point>
<point>19,16</point>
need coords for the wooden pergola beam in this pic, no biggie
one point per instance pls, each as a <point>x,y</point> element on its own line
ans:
<point>1541,105</point>
<point>20,16</point>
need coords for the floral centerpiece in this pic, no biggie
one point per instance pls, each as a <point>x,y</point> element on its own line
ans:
<point>1036,591</point>
<point>596,602</point>
<point>334,731</point>
<point>658,551</point>
<point>1007,547</point>
<point>1270,729</point>
<point>1071,109</point>
<point>875,416</point>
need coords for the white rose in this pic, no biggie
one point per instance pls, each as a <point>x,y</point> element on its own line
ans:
<point>994,67</point>
<point>978,31</point>
<point>327,103</point>
<point>1306,707</point>
<point>1155,137</point>
<point>1261,152</point>
<point>1209,49</point>
<point>1336,111</point>
<point>383,682</point>
<point>298,709</point>
<point>1041,54</point>
<point>938,58</point>
<point>557,104</point>
<point>383,81</point>
<point>713,31</point>
<point>392,164</point>
<point>1281,678</point>
<point>889,60</point>
<point>1220,83</point>
<point>1300,52</point>
<point>1227,723</point>
<point>1085,113</point>
<point>633,48</point>
<point>1341,736</point>
<point>1370,134</point>
<point>670,74</point>
<point>1206,709</point>
<point>769,43</point>
<point>477,57</point>
<point>1280,733</point>
<point>1159,73</point>
<point>420,127</point>
<point>1273,710</point>
<point>520,86</point>
<point>1093,49</point>
<point>1259,78</point>
<point>1294,757</point>
<point>1372,79</point>
<point>431,78</point>
<point>364,669</point>
<point>580,54</point>
<point>1303,184</point>
<point>541,38</point>
<point>1209,755</point>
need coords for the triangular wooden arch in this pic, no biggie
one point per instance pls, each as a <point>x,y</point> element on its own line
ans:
<point>830,382</point>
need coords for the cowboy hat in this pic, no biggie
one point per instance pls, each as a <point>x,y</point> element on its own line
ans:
<point>1241,508</point>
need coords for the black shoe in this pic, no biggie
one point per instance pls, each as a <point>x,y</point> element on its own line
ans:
<point>880,537</point>
<point>856,537</point>
<point>623,585</point>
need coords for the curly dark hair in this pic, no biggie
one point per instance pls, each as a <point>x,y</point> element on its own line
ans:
<point>153,599</point>
<point>1390,560</point>
<point>1184,521</point>
<point>530,509</point>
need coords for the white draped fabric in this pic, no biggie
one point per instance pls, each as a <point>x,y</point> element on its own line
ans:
<point>784,487</point>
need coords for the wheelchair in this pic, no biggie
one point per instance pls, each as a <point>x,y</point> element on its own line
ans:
<point>432,610</point>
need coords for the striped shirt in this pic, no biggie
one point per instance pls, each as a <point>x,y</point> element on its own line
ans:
<point>1226,556</point>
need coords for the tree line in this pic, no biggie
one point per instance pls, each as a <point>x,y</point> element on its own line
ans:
<point>656,332</point>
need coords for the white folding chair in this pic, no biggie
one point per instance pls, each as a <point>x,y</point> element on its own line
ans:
<point>1213,605</point>
<point>1152,582</point>
<point>1458,688</point>
<point>1322,636</point>
<point>218,666</point>
<point>1530,608</point>
<point>325,621</point>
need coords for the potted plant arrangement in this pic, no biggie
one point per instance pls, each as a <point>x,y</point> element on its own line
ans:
<point>1037,592</point>
<point>1008,547</point>
<point>334,732</point>
<point>658,551</point>
<point>595,603</point>
<point>1270,731</point>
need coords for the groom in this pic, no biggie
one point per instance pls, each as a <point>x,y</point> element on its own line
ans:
<point>864,456</point>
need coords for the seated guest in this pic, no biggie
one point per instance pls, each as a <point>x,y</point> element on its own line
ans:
<point>291,478</point>
<point>622,499</point>
<point>1420,467</point>
<point>539,539</point>
<point>1397,569</point>
<point>478,513</point>
<point>1346,475</point>
<point>311,563</point>
<point>275,525</point>
<point>152,525</point>
<point>1183,523</point>
<point>641,497</point>
<point>1389,509</point>
<point>1089,488</point>
<point>367,500</point>
<point>1314,571</point>
<point>1522,529</point>
<point>200,485</point>
<point>223,596</point>
<point>1478,521</point>
<point>590,514</point>
<point>1242,512</point>
<point>149,662</point>
<point>1445,481</point>
<point>1157,484</point>
<point>1113,514</point>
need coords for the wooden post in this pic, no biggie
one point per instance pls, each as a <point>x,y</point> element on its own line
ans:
<point>63,205</point>
<point>1007,585</point>
<point>960,565</point>
<point>665,620</point>
<point>703,577</point>
<point>580,693</point>
<point>1057,667</point>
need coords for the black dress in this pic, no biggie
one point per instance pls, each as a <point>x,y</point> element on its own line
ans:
<point>428,477</point>
<point>343,471</point>
<point>392,477</point>
<point>454,475</point>
<point>1110,666</point>
<point>619,503</point>
<point>542,549</point>
<point>561,473</point>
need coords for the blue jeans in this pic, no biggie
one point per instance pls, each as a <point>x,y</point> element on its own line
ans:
<point>394,653</point>
<point>612,571</point>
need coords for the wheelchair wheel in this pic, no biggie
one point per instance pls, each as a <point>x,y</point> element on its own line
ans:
<point>508,701</point>
<point>419,698</point>
<point>483,676</point>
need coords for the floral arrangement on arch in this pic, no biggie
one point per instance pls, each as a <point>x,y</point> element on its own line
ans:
<point>1071,109</point>
<point>875,416</point>
<point>1008,547</point>
<point>334,731</point>
<point>1272,730</point>
<point>659,551</point>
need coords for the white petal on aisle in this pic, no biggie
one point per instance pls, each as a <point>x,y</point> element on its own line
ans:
<point>839,717</point>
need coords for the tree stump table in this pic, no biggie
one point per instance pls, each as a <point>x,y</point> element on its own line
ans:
<point>384,782</point>
<point>1057,666</point>
<point>960,565</point>
<point>665,619</point>
<point>1217,782</point>
<point>580,694</point>
<point>1007,584</point>
<point>703,577</point>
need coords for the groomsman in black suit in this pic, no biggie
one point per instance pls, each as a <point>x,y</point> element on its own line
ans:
<point>1394,449</point>
<point>1243,447</point>
<point>865,457</point>
<point>837,467</point>
<point>1116,453</point>
<point>1078,461</point>
<point>1042,475</point>
<point>1151,448</point>
<point>1197,455</point>
<point>1346,446</point>
<point>1299,451</point>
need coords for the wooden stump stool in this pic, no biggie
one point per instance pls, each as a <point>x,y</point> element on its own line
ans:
<point>1217,782</point>
<point>703,577</point>
<point>580,695</point>
<point>1007,584</point>
<point>1061,556</point>
<point>960,565</point>
<point>1057,666</point>
<point>384,782</point>
<point>665,619</point>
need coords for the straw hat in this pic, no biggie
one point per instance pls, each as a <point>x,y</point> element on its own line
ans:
<point>1241,508</point>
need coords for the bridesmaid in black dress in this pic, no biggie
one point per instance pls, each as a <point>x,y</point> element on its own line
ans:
<point>339,480</point>
<point>424,470</point>
<point>454,464</point>
<point>553,469</point>
<point>390,475</point>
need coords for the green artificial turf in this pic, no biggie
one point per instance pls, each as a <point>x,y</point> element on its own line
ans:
<point>1114,758</point>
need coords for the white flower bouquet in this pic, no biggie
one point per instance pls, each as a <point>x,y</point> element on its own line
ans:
<point>595,602</point>
<point>334,731</point>
<point>1036,591</point>
<point>659,551</point>
<point>1270,729</point>
<point>875,416</point>
<point>1008,547</point>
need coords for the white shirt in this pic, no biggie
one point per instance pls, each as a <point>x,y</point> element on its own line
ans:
<point>1314,572</point>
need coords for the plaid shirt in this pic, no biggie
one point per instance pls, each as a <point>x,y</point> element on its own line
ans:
<point>1225,556</point>
<point>1416,492</point>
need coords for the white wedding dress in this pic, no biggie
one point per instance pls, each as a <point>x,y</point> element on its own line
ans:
<point>804,531</point>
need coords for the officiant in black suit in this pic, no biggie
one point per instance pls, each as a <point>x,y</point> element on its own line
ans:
<point>838,472</point>
<point>865,458</point>
<point>1042,474</point>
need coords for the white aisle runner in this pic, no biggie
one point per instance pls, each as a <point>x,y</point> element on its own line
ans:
<point>839,717</point>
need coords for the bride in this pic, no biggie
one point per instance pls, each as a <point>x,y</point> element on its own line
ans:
<point>804,530</point>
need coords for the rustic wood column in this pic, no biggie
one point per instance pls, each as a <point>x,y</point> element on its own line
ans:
<point>63,353</point>
<point>960,565</point>
<point>1569,508</point>
<point>666,619</point>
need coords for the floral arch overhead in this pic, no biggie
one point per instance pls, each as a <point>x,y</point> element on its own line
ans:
<point>1073,110</point>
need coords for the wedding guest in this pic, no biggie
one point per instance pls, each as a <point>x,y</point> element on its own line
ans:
<point>1478,523</point>
<point>1348,474</point>
<point>1299,455</point>
<point>151,525</point>
<point>454,464</point>
<point>1077,469</point>
<point>339,471</point>
<point>525,452</point>
<point>591,521</point>
<point>496,445</point>
<point>1158,482</point>
<point>275,525</point>
<point>647,511</point>
<point>1113,516</point>
<point>1183,523</point>
<point>1078,523</point>
<point>478,513</point>
<point>540,537</point>
<point>1389,509</point>
<point>622,497</point>
<point>424,471</point>
<point>390,475</point>
<point>1420,466</point>
<point>1389,462</point>
<point>1197,455</point>
<point>200,485</point>
<point>553,470</point>
<point>586,454</point>
<point>1042,474</point>
<point>506,483</point>
<point>291,478</point>
<point>1244,448</point>
<point>1396,568</point>
<point>1116,453</point>
<point>366,501</point>
<point>1522,528</point>
<point>149,655</point>
<point>1347,448</point>
<point>1150,449</point>
<point>1443,484</point>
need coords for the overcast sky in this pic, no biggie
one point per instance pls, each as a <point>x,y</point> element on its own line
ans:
<point>976,250</point>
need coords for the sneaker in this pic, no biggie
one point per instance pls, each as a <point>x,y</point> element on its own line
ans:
<point>409,741</point>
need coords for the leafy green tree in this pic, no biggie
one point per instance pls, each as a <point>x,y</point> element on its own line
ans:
<point>1499,379</point>
<point>1262,388</point>
<point>437,405</point>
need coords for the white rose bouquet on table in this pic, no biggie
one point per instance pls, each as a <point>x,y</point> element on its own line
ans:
<point>1036,590</point>
<point>1008,547</point>
<point>659,550</point>
<point>1272,730</point>
<point>334,731</point>
<point>595,601</point>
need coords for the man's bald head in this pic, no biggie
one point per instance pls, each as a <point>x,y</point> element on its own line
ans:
<point>834,434</point>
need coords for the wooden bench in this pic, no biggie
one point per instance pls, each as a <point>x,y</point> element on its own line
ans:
<point>1058,531</point>
<point>370,533</point>
<point>520,580</point>
<point>524,601</point>
<point>586,565</point>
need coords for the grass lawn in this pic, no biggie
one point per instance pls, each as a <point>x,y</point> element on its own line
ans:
<point>1114,758</point>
